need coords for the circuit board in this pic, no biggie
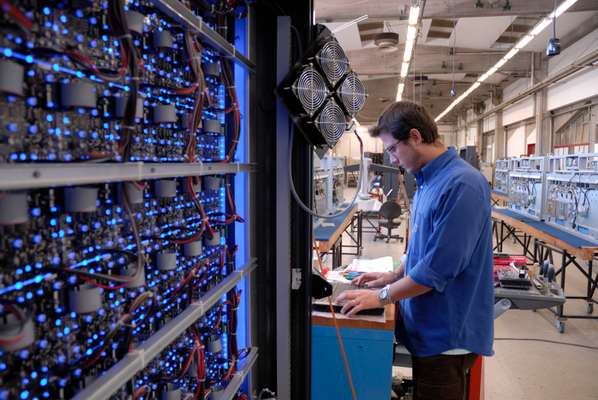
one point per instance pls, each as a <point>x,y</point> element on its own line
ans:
<point>88,272</point>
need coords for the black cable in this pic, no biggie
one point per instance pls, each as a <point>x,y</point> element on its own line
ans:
<point>299,41</point>
<point>583,346</point>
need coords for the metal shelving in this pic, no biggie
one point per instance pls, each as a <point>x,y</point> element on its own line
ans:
<point>233,386</point>
<point>26,176</point>
<point>117,376</point>
<point>177,11</point>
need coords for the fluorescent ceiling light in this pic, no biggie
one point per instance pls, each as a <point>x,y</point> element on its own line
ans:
<point>536,30</point>
<point>564,7</point>
<point>408,51</point>
<point>409,47</point>
<point>511,53</point>
<point>413,15</point>
<point>524,41</point>
<point>404,69</point>
<point>411,32</point>
<point>400,90</point>
<point>540,26</point>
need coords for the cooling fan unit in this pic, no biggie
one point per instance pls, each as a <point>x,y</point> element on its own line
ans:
<point>321,92</point>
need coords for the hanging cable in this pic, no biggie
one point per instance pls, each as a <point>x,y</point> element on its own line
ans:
<point>296,195</point>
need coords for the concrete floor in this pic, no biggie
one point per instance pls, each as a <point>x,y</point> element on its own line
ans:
<point>531,370</point>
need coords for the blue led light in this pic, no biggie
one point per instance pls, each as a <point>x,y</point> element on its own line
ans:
<point>8,52</point>
<point>43,382</point>
<point>25,394</point>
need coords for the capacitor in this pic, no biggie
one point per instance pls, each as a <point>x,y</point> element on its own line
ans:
<point>78,94</point>
<point>214,344</point>
<point>170,392</point>
<point>213,183</point>
<point>80,199</point>
<point>14,208</point>
<point>139,278</point>
<point>85,299</point>
<point>120,106</point>
<point>164,113</point>
<point>17,332</point>
<point>192,249</point>
<point>166,260</point>
<point>165,188</point>
<point>135,21</point>
<point>134,192</point>
<point>214,240</point>
<point>162,39</point>
<point>11,77</point>
<point>212,69</point>
<point>212,126</point>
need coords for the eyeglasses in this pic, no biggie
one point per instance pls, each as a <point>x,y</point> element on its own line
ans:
<point>391,149</point>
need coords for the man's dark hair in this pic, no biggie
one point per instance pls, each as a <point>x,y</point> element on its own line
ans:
<point>400,117</point>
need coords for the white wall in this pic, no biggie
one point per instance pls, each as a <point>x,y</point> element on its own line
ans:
<point>348,145</point>
<point>489,123</point>
<point>580,86</point>
<point>521,110</point>
<point>516,141</point>
<point>448,134</point>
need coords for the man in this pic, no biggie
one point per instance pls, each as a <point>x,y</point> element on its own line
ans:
<point>444,289</point>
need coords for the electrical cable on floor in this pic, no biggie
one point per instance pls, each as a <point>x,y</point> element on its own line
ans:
<point>583,346</point>
<point>337,329</point>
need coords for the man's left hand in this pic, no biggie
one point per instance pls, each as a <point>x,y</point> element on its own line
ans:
<point>357,300</point>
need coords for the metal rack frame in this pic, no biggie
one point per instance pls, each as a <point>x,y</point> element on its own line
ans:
<point>183,15</point>
<point>24,176</point>
<point>123,371</point>
<point>41,175</point>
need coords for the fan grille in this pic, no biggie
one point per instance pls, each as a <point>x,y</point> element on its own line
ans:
<point>352,93</point>
<point>331,122</point>
<point>333,61</point>
<point>311,90</point>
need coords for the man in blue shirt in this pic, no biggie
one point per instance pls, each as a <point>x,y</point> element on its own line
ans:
<point>444,289</point>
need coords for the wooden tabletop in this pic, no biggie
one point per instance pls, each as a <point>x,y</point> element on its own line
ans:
<point>585,253</point>
<point>325,245</point>
<point>382,322</point>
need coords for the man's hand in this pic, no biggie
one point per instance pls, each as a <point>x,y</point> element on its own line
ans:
<point>357,300</point>
<point>374,279</point>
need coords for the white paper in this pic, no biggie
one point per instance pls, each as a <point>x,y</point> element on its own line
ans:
<point>382,264</point>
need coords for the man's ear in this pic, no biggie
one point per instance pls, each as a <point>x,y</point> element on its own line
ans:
<point>416,136</point>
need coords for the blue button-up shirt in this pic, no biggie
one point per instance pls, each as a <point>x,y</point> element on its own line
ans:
<point>450,251</point>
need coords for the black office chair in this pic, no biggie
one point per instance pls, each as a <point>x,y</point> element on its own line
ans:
<point>388,213</point>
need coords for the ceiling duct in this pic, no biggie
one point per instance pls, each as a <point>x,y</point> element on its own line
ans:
<point>387,41</point>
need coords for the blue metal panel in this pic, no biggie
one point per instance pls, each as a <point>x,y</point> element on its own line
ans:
<point>369,352</point>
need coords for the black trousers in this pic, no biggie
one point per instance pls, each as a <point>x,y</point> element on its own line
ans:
<point>441,377</point>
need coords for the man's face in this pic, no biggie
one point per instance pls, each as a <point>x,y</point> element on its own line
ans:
<point>401,153</point>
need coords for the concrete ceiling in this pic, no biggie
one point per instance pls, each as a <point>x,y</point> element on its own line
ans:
<point>480,37</point>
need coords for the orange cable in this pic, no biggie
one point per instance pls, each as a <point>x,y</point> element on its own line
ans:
<point>338,331</point>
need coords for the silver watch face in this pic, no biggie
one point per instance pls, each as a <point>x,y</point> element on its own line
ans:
<point>383,294</point>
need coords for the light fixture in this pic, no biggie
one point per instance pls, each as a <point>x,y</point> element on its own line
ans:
<point>412,27</point>
<point>528,37</point>
<point>404,69</point>
<point>400,91</point>
<point>554,43</point>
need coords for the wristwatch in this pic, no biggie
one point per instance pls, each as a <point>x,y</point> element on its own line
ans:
<point>384,295</point>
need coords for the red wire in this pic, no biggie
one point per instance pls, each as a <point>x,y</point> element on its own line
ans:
<point>101,285</point>
<point>20,18</point>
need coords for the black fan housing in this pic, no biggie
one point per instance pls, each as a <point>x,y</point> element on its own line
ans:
<point>321,92</point>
